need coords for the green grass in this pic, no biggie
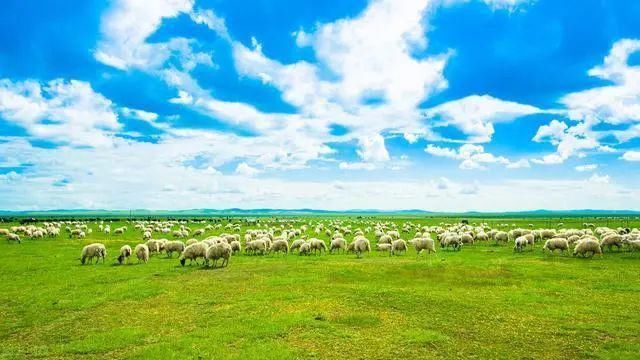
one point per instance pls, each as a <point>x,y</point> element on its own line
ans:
<point>482,302</point>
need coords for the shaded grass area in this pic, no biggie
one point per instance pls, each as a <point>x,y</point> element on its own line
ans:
<point>483,302</point>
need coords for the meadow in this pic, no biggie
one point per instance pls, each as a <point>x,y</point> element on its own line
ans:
<point>484,301</point>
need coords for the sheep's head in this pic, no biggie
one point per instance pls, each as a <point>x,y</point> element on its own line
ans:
<point>182,261</point>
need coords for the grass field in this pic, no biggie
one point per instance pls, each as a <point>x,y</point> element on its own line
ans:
<point>482,302</point>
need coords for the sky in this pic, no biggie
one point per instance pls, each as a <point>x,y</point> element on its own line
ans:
<point>441,105</point>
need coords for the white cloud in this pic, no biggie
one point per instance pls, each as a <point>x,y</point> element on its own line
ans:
<point>506,4</point>
<point>473,157</point>
<point>212,21</point>
<point>356,166</point>
<point>631,155</point>
<point>586,168</point>
<point>246,170</point>
<point>475,115</point>
<point>139,114</point>
<point>68,112</point>
<point>126,27</point>
<point>372,149</point>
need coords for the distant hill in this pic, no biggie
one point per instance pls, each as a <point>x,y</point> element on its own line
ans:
<point>308,212</point>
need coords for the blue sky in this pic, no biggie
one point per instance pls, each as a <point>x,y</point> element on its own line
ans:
<point>447,105</point>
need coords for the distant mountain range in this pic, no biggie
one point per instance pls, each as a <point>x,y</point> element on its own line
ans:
<point>285,212</point>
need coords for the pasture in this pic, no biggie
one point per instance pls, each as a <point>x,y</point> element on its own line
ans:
<point>484,301</point>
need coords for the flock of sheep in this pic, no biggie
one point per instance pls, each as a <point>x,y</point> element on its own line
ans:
<point>290,235</point>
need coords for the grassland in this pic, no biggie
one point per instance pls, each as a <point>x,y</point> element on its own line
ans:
<point>482,302</point>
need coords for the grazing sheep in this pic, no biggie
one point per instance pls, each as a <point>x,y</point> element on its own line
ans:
<point>610,241</point>
<point>383,247</point>
<point>361,245</point>
<point>142,253</point>
<point>153,245</point>
<point>218,251</point>
<point>280,245</point>
<point>338,244</point>
<point>146,235</point>
<point>520,243</point>
<point>296,244</point>
<point>385,239</point>
<point>398,246</point>
<point>13,237</point>
<point>236,247</point>
<point>501,236</point>
<point>556,244</point>
<point>193,252</point>
<point>423,244</point>
<point>453,241</point>
<point>305,249</point>
<point>125,252</point>
<point>587,247</point>
<point>174,246</point>
<point>90,251</point>
<point>256,246</point>
<point>317,245</point>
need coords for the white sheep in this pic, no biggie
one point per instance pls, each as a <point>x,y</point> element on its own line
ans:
<point>422,243</point>
<point>610,241</point>
<point>173,246</point>
<point>360,246</point>
<point>93,250</point>
<point>280,245</point>
<point>520,243</point>
<point>218,251</point>
<point>142,253</point>
<point>296,244</point>
<point>556,244</point>
<point>125,252</point>
<point>305,249</point>
<point>193,252</point>
<point>384,247</point>
<point>236,247</point>
<point>587,247</point>
<point>338,244</point>
<point>317,245</point>
<point>398,246</point>
<point>13,237</point>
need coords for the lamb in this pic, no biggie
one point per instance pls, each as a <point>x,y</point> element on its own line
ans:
<point>142,253</point>
<point>174,246</point>
<point>361,245</point>
<point>218,251</point>
<point>611,240</point>
<point>338,244</point>
<point>125,252</point>
<point>398,246</point>
<point>13,237</point>
<point>556,244</point>
<point>146,235</point>
<point>280,245</point>
<point>587,246</point>
<point>317,245</point>
<point>423,244</point>
<point>93,250</point>
<point>193,252</point>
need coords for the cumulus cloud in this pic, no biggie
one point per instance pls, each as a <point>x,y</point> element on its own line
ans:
<point>68,112</point>
<point>246,170</point>
<point>631,156</point>
<point>474,157</point>
<point>475,115</point>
